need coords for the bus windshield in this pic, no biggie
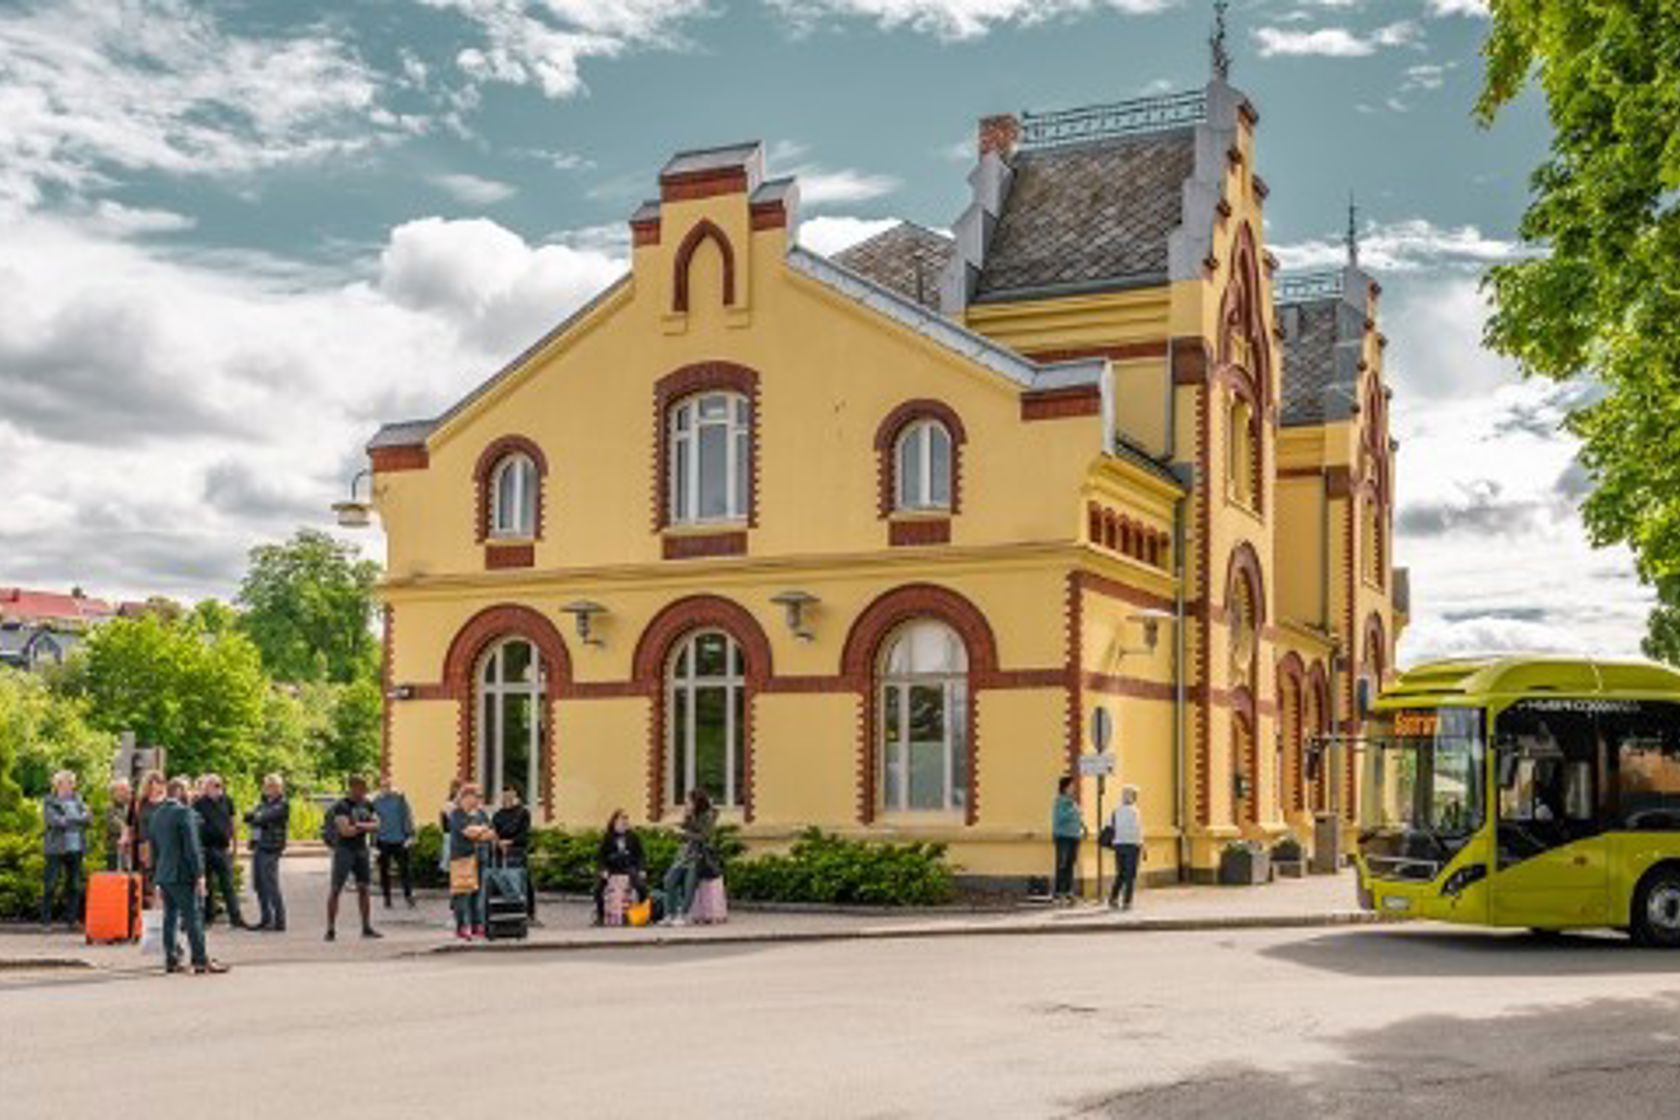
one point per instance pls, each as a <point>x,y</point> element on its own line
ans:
<point>1424,776</point>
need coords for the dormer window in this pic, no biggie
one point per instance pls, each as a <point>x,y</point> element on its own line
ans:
<point>710,458</point>
<point>924,467</point>
<point>513,500</point>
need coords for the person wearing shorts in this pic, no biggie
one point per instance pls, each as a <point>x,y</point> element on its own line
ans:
<point>353,820</point>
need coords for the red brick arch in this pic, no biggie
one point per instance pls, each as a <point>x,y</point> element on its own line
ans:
<point>704,230</point>
<point>460,667</point>
<point>653,652</point>
<point>1292,710</point>
<point>862,652</point>
<point>484,470</point>
<point>679,385</point>
<point>886,448</point>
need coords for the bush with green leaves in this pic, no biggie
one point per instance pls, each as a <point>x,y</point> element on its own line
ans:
<point>821,868</point>
<point>20,875</point>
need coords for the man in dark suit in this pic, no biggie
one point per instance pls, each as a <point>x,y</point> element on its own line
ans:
<point>178,860</point>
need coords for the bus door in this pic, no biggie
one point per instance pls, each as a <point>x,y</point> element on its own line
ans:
<point>1552,861</point>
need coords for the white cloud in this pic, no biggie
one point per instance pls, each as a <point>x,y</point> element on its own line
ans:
<point>90,89</point>
<point>1332,42</point>
<point>1439,8</point>
<point>474,189</point>
<point>830,234</point>
<point>1409,245</point>
<point>955,19</point>
<point>817,186</point>
<point>544,42</point>
<point>213,401</point>
<point>116,220</point>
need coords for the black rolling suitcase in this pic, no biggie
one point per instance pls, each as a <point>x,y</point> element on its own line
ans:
<point>504,900</point>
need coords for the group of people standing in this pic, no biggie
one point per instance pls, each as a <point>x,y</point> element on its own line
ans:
<point>1122,833</point>
<point>474,838</point>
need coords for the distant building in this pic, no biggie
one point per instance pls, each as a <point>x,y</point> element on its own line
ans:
<point>41,627</point>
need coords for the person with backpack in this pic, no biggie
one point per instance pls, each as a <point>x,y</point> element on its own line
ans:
<point>1125,833</point>
<point>347,827</point>
<point>1067,830</point>
<point>269,822</point>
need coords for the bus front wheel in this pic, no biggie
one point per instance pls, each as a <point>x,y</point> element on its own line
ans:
<point>1656,909</point>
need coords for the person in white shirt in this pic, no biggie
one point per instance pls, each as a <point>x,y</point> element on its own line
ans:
<point>1126,824</point>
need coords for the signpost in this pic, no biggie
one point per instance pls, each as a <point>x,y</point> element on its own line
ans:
<point>1101,765</point>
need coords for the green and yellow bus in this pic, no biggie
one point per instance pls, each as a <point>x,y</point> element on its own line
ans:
<point>1538,793</point>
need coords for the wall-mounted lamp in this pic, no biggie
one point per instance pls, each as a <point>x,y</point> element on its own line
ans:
<point>1239,786</point>
<point>583,612</point>
<point>1151,621</point>
<point>401,692</point>
<point>794,604</point>
<point>354,513</point>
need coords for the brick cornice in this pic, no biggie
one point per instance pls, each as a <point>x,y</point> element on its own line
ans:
<point>918,532</point>
<point>702,184</point>
<point>1059,404</point>
<point>385,460</point>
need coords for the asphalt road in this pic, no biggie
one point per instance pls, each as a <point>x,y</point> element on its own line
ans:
<point>1369,1023</point>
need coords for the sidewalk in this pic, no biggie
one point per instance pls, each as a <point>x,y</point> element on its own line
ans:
<point>426,929</point>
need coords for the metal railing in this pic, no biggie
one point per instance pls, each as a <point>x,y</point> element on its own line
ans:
<point>1305,287</point>
<point>1122,118</point>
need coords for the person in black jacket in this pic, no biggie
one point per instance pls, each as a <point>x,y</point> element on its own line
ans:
<point>269,820</point>
<point>512,823</point>
<point>216,834</point>
<point>620,853</point>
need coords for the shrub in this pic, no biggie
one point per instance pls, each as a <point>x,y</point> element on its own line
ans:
<point>423,857</point>
<point>1287,849</point>
<point>20,875</point>
<point>822,868</point>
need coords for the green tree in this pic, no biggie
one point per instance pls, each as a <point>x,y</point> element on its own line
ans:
<point>346,726</point>
<point>175,684</point>
<point>309,608</point>
<point>17,817</point>
<point>1604,298</point>
<point>43,731</point>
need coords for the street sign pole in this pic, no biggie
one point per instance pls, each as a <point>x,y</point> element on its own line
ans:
<point>1102,733</point>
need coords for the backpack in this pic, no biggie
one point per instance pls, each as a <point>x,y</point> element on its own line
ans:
<point>329,828</point>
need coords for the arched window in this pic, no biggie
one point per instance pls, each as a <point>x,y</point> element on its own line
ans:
<point>513,497</point>
<point>710,458</point>
<point>1244,632</point>
<point>924,466</point>
<point>707,722</point>
<point>1371,541</point>
<point>510,717</point>
<point>1241,468</point>
<point>924,719</point>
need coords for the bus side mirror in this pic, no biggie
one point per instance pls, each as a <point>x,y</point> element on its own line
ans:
<point>1508,757</point>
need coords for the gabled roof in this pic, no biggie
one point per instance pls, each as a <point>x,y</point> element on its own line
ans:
<point>1323,338</point>
<point>20,604</point>
<point>1089,216</point>
<point>907,258</point>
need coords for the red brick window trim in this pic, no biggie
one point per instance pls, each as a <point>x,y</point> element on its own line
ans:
<point>676,389</point>
<point>704,230</point>
<point>491,460</point>
<point>899,423</point>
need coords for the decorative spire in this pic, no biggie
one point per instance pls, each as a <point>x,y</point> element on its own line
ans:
<point>1352,239</point>
<point>1216,42</point>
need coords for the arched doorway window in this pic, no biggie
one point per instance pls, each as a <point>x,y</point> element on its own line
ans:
<point>707,703</point>
<point>923,705</point>
<point>510,720</point>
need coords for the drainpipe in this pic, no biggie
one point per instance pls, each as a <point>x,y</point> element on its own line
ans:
<point>1181,783</point>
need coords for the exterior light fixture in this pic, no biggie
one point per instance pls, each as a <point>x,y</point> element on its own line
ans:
<point>354,513</point>
<point>401,692</point>
<point>583,612</point>
<point>794,604</point>
<point>1151,621</point>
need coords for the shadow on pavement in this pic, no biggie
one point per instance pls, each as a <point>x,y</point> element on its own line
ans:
<point>1434,952</point>
<point>1605,1058</point>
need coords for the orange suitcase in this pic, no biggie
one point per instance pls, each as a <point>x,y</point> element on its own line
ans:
<point>113,907</point>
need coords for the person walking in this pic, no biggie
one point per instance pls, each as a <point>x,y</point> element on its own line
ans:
<point>352,821</point>
<point>512,822</point>
<point>1067,829</point>
<point>269,821</point>
<point>217,833</point>
<point>1126,824</point>
<point>64,841</point>
<point>620,855</point>
<point>698,828</point>
<point>178,870</point>
<point>116,825</point>
<point>470,836</point>
<point>395,840</point>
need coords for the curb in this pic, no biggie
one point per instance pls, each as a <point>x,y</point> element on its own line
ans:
<point>663,940</point>
<point>43,964</point>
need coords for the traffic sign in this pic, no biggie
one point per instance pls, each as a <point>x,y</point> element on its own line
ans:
<point>1102,729</point>
<point>1096,765</point>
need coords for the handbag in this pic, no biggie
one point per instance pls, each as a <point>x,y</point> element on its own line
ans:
<point>151,933</point>
<point>1105,838</point>
<point>463,875</point>
<point>640,913</point>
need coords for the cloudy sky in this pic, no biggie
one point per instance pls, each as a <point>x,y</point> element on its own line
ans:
<point>236,236</point>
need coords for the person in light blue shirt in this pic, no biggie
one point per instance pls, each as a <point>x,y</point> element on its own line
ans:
<point>1067,829</point>
<point>66,818</point>
<point>394,839</point>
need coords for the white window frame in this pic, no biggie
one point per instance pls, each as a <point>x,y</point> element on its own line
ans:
<point>914,492</point>
<point>492,720</point>
<point>686,423</point>
<point>520,472</point>
<point>680,693</point>
<point>955,696</point>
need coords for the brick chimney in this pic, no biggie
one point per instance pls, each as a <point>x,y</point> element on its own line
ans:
<point>999,134</point>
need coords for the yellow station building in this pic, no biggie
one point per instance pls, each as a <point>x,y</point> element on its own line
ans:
<point>864,541</point>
